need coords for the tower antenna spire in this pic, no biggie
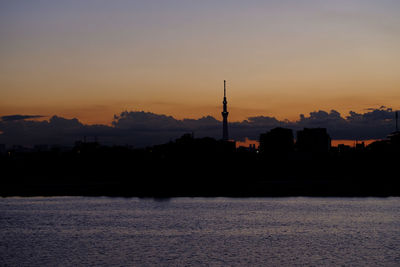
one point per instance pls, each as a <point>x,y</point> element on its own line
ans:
<point>224,88</point>
<point>225,114</point>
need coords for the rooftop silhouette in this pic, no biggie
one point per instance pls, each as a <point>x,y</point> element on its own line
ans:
<point>192,166</point>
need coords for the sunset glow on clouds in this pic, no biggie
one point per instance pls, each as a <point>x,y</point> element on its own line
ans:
<point>93,59</point>
<point>141,129</point>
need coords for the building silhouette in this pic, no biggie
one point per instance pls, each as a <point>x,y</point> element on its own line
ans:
<point>394,139</point>
<point>395,136</point>
<point>225,135</point>
<point>278,141</point>
<point>313,140</point>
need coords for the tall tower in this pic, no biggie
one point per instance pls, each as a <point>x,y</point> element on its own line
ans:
<point>225,113</point>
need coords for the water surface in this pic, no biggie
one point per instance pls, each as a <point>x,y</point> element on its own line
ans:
<point>81,231</point>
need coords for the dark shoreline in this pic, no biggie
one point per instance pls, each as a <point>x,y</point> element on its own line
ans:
<point>277,188</point>
<point>201,168</point>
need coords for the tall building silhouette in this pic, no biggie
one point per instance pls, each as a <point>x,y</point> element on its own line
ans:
<point>313,140</point>
<point>277,142</point>
<point>225,113</point>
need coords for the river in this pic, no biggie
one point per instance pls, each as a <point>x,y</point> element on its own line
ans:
<point>102,231</point>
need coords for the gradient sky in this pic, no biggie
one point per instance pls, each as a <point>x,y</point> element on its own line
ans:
<point>93,59</point>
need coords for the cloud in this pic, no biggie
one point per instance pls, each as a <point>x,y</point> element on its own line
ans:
<point>139,128</point>
<point>146,121</point>
<point>19,117</point>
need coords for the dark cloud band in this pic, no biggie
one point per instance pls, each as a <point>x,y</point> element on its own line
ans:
<point>140,128</point>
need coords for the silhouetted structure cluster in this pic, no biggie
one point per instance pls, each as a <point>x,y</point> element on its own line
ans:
<point>193,166</point>
<point>282,166</point>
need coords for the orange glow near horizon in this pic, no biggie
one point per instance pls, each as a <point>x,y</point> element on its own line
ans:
<point>104,114</point>
<point>280,58</point>
<point>352,143</point>
<point>247,142</point>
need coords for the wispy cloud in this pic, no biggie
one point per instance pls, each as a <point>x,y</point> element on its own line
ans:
<point>19,117</point>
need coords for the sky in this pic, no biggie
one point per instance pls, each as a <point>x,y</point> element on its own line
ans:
<point>92,59</point>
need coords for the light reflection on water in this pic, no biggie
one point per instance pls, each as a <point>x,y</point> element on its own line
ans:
<point>80,231</point>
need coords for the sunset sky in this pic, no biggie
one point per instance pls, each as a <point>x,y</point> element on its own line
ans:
<point>93,59</point>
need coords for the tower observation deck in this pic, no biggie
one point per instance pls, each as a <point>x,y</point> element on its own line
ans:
<point>225,113</point>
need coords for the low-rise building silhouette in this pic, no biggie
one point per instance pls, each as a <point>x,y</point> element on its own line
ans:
<point>342,148</point>
<point>360,146</point>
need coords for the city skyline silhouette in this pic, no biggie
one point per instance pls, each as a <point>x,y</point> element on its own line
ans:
<point>141,128</point>
<point>199,133</point>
